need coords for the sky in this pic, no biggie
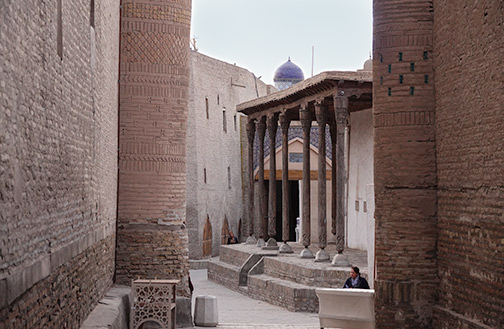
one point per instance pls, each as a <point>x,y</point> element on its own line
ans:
<point>260,35</point>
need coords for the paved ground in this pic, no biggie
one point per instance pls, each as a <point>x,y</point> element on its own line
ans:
<point>237,311</point>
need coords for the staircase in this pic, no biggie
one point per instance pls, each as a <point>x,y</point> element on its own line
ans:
<point>284,280</point>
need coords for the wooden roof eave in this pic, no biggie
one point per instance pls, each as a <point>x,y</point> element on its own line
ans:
<point>321,85</point>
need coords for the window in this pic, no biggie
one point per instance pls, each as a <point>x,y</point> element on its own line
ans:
<point>59,31</point>
<point>92,14</point>
<point>229,177</point>
<point>204,175</point>
<point>234,120</point>
<point>218,100</point>
<point>224,123</point>
<point>206,108</point>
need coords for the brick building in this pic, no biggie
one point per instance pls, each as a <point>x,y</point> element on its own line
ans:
<point>439,159</point>
<point>69,220</point>
<point>58,167</point>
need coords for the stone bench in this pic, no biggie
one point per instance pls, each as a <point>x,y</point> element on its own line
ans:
<point>346,308</point>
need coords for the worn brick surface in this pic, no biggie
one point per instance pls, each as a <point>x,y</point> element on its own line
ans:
<point>470,133</point>
<point>58,160</point>
<point>154,85</point>
<point>405,164</point>
<point>66,297</point>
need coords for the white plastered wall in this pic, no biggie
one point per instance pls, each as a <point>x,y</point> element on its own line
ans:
<point>360,176</point>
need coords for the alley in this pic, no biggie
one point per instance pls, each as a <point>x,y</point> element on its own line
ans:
<point>241,312</point>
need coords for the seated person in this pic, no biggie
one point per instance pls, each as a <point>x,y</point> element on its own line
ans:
<point>232,239</point>
<point>355,280</point>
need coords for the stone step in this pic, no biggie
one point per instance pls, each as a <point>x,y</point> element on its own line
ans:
<point>309,274</point>
<point>238,254</point>
<point>233,256</point>
<point>224,273</point>
<point>293,296</point>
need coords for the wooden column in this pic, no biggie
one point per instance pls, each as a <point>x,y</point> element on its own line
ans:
<point>332,128</point>
<point>284,124</point>
<point>272,125</point>
<point>341,115</point>
<point>305,117</point>
<point>321,116</point>
<point>251,126</point>
<point>261,131</point>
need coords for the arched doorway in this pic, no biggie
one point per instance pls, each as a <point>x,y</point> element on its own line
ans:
<point>207,238</point>
<point>225,231</point>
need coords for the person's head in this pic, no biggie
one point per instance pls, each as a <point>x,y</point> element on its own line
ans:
<point>231,234</point>
<point>354,272</point>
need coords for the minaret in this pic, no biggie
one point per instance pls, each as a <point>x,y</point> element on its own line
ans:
<point>154,77</point>
<point>405,164</point>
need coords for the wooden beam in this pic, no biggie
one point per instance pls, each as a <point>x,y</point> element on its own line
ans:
<point>295,175</point>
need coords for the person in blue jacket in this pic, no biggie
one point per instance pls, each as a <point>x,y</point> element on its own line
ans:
<point>355,280</point>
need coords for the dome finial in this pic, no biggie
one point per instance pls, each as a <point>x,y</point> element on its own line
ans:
<point>289,58</point>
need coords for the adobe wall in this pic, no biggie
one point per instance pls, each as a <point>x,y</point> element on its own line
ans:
<point>404,164</point>
<point>58,160</point>
<point>468,43</point>
<point>154,86</point>
<point>214,149</point>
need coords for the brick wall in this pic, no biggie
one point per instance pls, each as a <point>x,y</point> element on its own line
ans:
<point>58,141</point>
<point>65,297</point>
<point>404,164</point>
<point>154,80</point>
<point>468,43</point>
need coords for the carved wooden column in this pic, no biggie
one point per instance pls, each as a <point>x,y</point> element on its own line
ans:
<point>321,116</point>
<point>250,135</point>
<point>332,128</point>
<point>305,117</point>
<point>341,115</point>
<point>272,125</point>
<point>261,131</point>
<point>284,124</point>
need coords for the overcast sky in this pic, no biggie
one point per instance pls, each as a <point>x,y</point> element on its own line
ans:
<point>260,35</point>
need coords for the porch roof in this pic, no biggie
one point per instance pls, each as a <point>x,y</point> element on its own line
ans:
<point>357,86</point>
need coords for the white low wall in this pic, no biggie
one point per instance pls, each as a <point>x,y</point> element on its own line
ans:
<point>346,308</point>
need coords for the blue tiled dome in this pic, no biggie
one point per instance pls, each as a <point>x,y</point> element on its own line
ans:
<point>288,71</point>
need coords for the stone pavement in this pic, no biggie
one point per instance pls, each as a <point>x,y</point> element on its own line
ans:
<point>237,311</point>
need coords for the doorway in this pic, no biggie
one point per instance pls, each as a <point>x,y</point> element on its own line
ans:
<point>293,188</point>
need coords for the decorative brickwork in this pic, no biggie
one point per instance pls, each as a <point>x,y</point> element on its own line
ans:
<point>405,165</point>
<point>154,80</point>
